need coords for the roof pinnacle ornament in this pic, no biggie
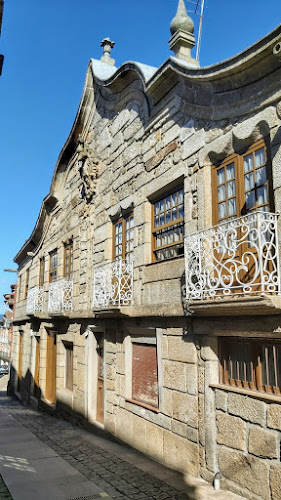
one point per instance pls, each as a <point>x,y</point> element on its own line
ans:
<point>182,29</point>
<point>107,45</point>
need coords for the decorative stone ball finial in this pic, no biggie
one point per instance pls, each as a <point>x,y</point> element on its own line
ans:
<point>182,29</point>
<point>107,45</point>
<point>181,21</point>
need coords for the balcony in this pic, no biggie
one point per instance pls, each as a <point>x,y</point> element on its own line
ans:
<point>60,296</point>
<point>35,300</point>
<point>234,260</point>
<point>113,285</point>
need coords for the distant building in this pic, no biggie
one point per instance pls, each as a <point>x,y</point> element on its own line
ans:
<point>6,328</point>
<point>148,297</point>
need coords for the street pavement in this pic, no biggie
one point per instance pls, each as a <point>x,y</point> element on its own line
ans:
<point>46,458</point>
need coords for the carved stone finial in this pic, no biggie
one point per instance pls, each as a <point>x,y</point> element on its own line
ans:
<point>182,29</point>
<point>107,47</point>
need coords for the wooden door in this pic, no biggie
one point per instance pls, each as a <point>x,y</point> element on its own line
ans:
<point>36,385</point>
<point>51,369</point>
<point>20,362</point>
<point>100,388</point>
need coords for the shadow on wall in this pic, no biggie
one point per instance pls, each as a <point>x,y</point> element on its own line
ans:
<point>24,390</point>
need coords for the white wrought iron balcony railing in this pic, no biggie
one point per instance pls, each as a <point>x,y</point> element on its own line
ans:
<point>113,284</point>
<point>239,256</point>
<point>35,300</point>
<point>60,296</point>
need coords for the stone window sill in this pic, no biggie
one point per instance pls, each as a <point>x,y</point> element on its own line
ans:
<point>270,398</point>
<point>178,257</point>
<point>143,405</point>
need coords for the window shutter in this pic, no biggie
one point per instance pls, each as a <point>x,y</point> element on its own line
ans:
<point>144,376</point>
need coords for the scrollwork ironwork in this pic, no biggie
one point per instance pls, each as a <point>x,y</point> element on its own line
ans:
<point>113,284</point>
<point>238,256</point>
<point>60,296</point>
<point>35,300</point>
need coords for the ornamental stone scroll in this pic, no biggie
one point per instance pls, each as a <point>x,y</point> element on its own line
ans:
<point>88,167</point>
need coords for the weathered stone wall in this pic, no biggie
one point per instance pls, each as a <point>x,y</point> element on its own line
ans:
<point>248,438</point>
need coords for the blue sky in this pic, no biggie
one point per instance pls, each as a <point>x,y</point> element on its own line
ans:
<point>47,46</point>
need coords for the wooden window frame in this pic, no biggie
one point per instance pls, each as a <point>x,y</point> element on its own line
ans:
<point>240,196</point>
<point>256,347</point>
<point>173,224</point>
<point>116,223</point>
<point>41,271</point>
<point>26,283</point>
<point>19,286</point>
<point>54,252</point>
<point>68,365</point>
<point>68,252</point>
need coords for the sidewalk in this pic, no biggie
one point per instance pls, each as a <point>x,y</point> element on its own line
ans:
<point>45,458</point>
<point>31,470</point>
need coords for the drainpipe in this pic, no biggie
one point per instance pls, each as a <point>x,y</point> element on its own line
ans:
<point>216,481</point>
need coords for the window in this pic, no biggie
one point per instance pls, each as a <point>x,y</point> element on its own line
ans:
<point>251,364</point>
<point>242,184</point>
<point>68,365</point>
<point>68,260</point>
<point>168,226</point>
<point>53,266</point>
<point>26,283</point>
<point>123,243</point>
<point>144,374</point>
<point>41,271</point>
<point>19,286</point>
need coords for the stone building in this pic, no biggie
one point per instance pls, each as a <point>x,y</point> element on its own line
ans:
<point>6,328</point>
<point>148,296</point>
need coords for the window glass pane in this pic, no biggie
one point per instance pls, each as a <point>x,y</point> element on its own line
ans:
<point>168,217</point>
<point>162,204</point>
<point>250,199</point>
<point>174,199</point>
<point>221,193</point>
<point>127,223</point>
<point>248,162</point>
<point>220,176</point>
<point>176,234</point>
<point>231,189</point>
<point>174,214</point>
<point>230,172</point>
<point>170,237</point>
<point>156,208</point>
<point>222,210</point>
<point>262,195</point>
<point>168,202</point>
<point>158,241</point>
<point>180,196</point>
<point>156,221</point>
<point>231,206</point>
<point>249,181</point>
<point>162,219</point>
<point>259,157</point>
<point>131,233</point>
<point>181,214</point>
<point>261,176</point>
<point>132,222</point>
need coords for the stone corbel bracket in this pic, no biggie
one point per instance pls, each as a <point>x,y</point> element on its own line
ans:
<point>277,50</point>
